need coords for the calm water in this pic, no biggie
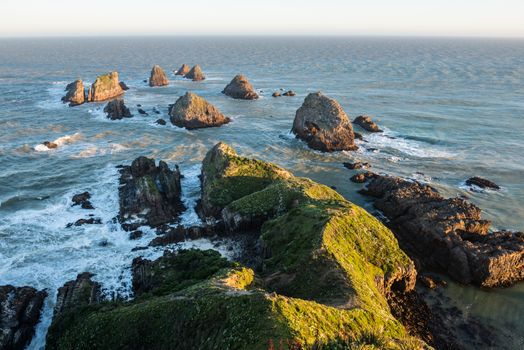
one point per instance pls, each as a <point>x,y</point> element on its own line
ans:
<point>451,109</point>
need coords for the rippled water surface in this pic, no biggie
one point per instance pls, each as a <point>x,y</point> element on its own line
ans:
<point>451,109</point>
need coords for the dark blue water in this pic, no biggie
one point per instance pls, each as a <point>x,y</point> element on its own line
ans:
<point>451,109</point>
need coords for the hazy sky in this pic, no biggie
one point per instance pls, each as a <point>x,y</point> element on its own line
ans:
<point>338,17</point>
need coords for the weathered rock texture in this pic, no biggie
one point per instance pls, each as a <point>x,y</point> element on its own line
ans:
<point>105,87</point>
<point>75,93</point>
<point>482,183</point>
<point>116,109</point>
<point>80,292</point>
<point>158,77</point>
<point>195,74</point>
<point>449,234</point>
<point>20,309</point>
<point>323,125</point>
<point>183,70</point>
<point>240,88</point>
<point>192,112</point>
<point>366,123</point>
<point>148,193</point>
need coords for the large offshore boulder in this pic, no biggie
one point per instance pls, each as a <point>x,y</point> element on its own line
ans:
<point>75,93</point>
<point>20,309</point>
<point>240,88</point>
<point>158,77</point>
<point>193,112</point>
<point>116,109</point>
<point>149,194</point>
<point>323,125</point>
<point>448,234</point>
<point>105,87</point>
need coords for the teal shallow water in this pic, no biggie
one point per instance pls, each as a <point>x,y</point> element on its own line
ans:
<point>451,109</point>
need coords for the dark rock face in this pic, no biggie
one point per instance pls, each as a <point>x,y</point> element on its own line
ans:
<point>20,309</point>
<point>323,125</point>
<point>195,74</point>
<point>90,221</point>
<point>366,123</point>
<point>82,291</point>
<point>448,234</point>
<point>124,86</point>
<point>181,233</point>
<point>141,111</point>
<point>183,70</point>
<point>158,77</point>
<point>75,93</point>
<point>82,199</point>
<point>240,88</point>
<point>363,177</point>
<point>149,193</point>
<point>193,112</point>
<point>116,110</point>
<point>482,183</point>
<point>105,87</point>
<point>161,121</point>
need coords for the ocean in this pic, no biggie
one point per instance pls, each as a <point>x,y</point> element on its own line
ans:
<point>450,109</point>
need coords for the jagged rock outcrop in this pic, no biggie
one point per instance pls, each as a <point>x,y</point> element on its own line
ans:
<point>365,122</point>
<point>183,70</point>
<point>76,293</point>
<point>75,93</point>
<point>323,125</point>
<point>362,177</point>
<point>158,77</point>
<point>116,109</point>
<point>240,88</point>
<point>105,87</point>
<point>195,74</point>
<point>148,193</point>
<point>20,309</point>
<point>193,112</point>
<point>448,234</point>
<point>82,199</point>
<point>482,183</point>
<point>181,233</point>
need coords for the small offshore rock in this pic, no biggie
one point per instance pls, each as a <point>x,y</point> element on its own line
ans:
<point>124,86</point>
<point>90,221</point>
<point>158,77</point>
<point>195,74</point>
<point>183,70</point>
<point>289,93</point>
<point>20,309</point>
<point>428,282</point>
<point>323,125</point>
<point>482,183</point>
<point>193,112</point>
<point>50,145</point>
<point>116,110</point>
<point>240,88</point>
<point>82,199</point>
<point>136,234</point>
<point>358,136</point>
<point>141,111</point>
<point>276,94</point>
<point>356,165</point>
<point>75,93</point>
<point>363,177</point>
<point>161,121</point>
<point>365,122</point>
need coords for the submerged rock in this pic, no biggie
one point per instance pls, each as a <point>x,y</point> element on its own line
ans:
<point>183,70</point>
<point>141,111</point>
<point>116,110</point>
<point>20,309</point>
<point>82,199</point>
<point>105,87</point>
<point>240,88</point>
<point>193,112</point>
<point>75,93</point>
<point>195,74</point>
<point>448,234</point>
<point>81,222</point>
<point>149,193</point>
<point>323,125</point>
<point>158,77</point>
<point>366,123</point>
<point>482,183</point>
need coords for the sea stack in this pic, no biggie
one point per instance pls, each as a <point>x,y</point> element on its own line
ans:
<point>183,70</point>
<point>158,77</point>
<point>105,87</point>
<point>323,125</point>
<point>116,110</point>
<point>195,74</point>
<point>240,88</point>
<point>192,112</point>
<point>75,93</point>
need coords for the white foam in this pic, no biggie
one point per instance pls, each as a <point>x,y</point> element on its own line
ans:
<point>190,195</point>
<point>55,93</point>
<point>61,141</point>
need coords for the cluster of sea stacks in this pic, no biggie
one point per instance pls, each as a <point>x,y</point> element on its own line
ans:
<point>315,271</point>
